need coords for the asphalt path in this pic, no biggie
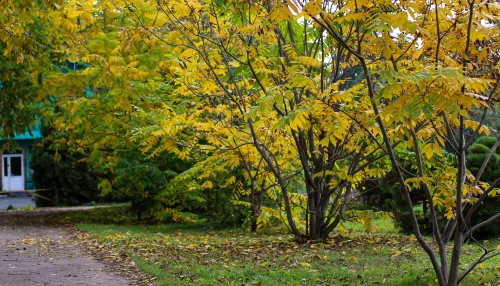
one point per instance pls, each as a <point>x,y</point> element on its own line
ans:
<point>36,251</point>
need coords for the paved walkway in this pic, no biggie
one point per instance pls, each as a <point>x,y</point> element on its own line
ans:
<point>34,251</point>
<point>16,202</point>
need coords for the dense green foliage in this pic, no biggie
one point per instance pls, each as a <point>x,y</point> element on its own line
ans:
<point>26,55</point>
<point>69,180</point>
<point>386,196</point>
<point>147,183</point>
<point>477,153</point>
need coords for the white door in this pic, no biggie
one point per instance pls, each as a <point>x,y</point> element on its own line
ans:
<point>13,172</point>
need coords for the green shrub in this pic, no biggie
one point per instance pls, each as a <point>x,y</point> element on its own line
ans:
<point>147,183</point>
<point>69,181</point>
<point>478,149</point>
<point>487,141</point>
<point>68,178</point>
<point>492,170</point>
<point>491,206</point>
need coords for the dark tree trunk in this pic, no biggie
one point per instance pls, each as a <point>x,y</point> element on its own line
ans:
<point>253,226</point>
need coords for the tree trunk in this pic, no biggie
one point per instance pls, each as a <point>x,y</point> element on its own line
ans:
<point>313,216</point>
<point>207,195</point>
<point>318,224</point>
<point>253,226</point>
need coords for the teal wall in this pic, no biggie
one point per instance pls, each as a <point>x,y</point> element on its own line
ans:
<point>26,145</point>
<point>35,133</point>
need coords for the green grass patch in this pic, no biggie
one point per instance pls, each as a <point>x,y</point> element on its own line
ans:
<point>195,254</point>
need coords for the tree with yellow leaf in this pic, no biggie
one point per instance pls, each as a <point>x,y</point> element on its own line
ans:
<point>263,71</point>
<point>116,102</point>
<point>24,57</point>
<point>101,96</point>
<point>426,65</point>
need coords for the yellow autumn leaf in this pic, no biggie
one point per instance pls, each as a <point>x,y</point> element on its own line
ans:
<point>387,53</point>
<point>265,263</point>
<point>305,264</point>
<point>310,62</point>
<point>313,8</point>
<point>437,149</point>
<point>73,14</point>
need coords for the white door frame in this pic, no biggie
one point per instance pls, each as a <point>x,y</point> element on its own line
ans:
<point>11,182</point>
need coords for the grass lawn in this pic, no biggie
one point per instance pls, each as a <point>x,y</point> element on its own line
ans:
<point>196,255</point>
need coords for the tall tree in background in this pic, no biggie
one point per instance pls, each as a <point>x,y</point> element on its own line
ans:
<point>24,58</point>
